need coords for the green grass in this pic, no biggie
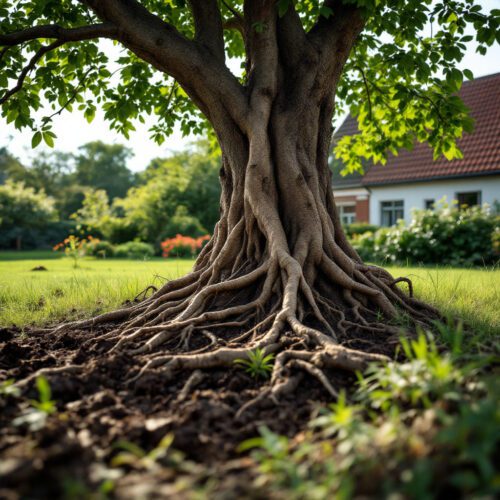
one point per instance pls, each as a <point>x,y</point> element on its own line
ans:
<point>39,297</point>
<point>30,255</point>
<point>29,297</point>
<point>472,295</point>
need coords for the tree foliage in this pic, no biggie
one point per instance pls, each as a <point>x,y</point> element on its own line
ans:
<point>399,81</point>
<point>104,166</point>
<point>178,194</point>
<point>22,210</point>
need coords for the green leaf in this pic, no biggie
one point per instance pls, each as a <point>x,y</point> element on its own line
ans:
<point>468,74</point>
<point>49,140</point>
<point>44,391</point>
<point>325,11</point>
<point>36,140</point>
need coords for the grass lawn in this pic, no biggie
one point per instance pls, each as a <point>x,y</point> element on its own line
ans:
<point>472,295</point>
<point>35,297</point>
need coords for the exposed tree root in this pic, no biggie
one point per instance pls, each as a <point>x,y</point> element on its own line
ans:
<point>198,323</point>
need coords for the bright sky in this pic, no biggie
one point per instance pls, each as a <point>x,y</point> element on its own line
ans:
<point>72,129</point>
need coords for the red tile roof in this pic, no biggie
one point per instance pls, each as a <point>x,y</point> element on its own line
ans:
<point>481,148</point>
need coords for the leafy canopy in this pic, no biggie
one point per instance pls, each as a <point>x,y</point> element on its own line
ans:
<point>399,80</point>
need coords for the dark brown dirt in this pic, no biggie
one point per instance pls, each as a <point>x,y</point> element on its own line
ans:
<point>97,408</point>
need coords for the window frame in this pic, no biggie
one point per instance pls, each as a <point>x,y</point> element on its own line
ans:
<point>393,211</point>
<point>350,215</point>
<point>477,192</point>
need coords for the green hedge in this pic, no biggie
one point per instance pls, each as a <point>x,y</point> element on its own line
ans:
<point>359,228</point>
<point>134,250</point>
<point>447,236</point>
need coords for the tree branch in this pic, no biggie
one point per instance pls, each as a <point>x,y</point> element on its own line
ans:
<point>335,36</point>
<point>204,77</point>
<point>291,35</point>
<point>72,98</point>
<point>367,90</point>
<point>208,26</point>
<point>104,30</point>
<point>24,73</point>
<point>233,11</point>
<point>235,23</point>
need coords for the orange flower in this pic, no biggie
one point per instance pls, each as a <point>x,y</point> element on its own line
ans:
<point>183,244</point>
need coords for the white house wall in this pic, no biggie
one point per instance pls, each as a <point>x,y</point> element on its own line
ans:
<point>414,195</point>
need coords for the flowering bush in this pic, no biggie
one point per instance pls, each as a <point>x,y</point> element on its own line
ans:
<point>449,235</point>
<point>183,246</point>
<point>75,247</point>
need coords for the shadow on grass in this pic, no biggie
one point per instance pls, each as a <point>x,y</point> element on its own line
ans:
<point>30,255</point>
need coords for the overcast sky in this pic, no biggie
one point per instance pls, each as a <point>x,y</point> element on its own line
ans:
<point>72,129</point>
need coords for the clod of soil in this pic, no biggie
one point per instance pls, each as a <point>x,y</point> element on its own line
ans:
<point>40,268</point>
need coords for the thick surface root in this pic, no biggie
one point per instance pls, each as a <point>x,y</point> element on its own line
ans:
<point>202,322</point>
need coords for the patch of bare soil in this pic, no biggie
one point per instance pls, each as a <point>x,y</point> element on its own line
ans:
<point>74,452</point>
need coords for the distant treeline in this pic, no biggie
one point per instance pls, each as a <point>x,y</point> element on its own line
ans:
<point>93,191</point>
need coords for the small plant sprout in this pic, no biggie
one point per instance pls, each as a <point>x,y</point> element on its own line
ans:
<point>44,403</point>
<point>133,455</point>
<point>74,247</point>
<point>258,364</point>
<point>36,416</point>
<point>8,389</point>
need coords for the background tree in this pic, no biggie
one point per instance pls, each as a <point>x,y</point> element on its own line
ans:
<point>10,167</point>
<point>278,271</point>
<point>104,166</point>
<point>22,212</point>
<point>194,175</point>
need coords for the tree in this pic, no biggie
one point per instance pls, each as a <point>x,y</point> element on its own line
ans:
<point>189,179</point>
<point>104,166</point>
<point>22,210</point>
<point>278,271</point>
<point>149,207</point>
<point>51,172</point>
<point>10,167</point>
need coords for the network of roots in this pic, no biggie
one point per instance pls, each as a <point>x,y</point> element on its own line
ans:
<point>209,319</point>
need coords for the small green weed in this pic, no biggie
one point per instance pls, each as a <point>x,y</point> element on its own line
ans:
<point>426,428</point>
<point>44,402</point>
<point>36,416</point>
<point>258,364</point>
<point>8,389</point>
<point>134,456</point>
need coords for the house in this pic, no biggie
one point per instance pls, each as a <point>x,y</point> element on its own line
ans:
<point>386,193</point>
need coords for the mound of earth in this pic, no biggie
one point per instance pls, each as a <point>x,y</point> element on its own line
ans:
<point>98,410</point>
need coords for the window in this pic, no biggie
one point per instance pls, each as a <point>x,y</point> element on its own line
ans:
<point>429,204</point>
<point>347,214</point>
<point>469,198</point>
<point>391,212</point>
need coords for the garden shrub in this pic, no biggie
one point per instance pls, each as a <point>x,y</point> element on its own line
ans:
<point>359,228</point>
<point>134,250</point>
<point>100,249</point>
<point>183,246</point>
<point>183,223</point>
<point>448,235</point>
